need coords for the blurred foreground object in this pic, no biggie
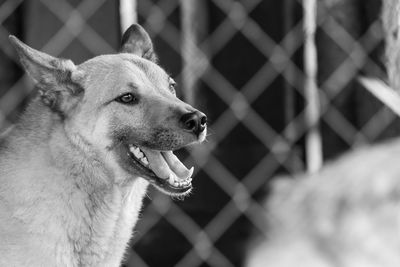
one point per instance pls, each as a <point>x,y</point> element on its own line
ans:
<point>345,215</point>
<point>391,27</point>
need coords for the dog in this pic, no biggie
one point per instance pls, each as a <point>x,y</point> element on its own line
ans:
<point>75,168</point>
<point>345,215</point>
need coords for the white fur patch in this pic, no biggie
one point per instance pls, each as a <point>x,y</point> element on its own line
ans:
<point>99,135</point>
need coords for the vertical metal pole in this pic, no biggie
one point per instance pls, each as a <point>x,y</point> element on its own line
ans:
<point>195,61</point>
<point>188,49</point>
<point>312,109</point>
<point>128,13</point>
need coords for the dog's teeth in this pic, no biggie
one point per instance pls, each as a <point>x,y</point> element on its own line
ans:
<point>137,153</point>
<point>133,149</point>
<point>171,179</point>
<point>191,172</point>
<point>144,161</point>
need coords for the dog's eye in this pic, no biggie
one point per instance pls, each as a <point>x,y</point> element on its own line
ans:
<point>172,84</point>
<point>127,99</point>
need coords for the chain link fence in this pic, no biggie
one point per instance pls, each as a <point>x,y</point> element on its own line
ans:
<point>242,63</point>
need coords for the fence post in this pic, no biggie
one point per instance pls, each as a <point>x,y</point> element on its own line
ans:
<point>193,21</point>
<point>128,13</point>
<point>312,109</point>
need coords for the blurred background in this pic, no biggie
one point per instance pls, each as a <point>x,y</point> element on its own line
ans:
<point>251,67</point>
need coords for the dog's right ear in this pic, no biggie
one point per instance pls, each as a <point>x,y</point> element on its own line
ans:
<point>137,41</point>
<point>58,79</point>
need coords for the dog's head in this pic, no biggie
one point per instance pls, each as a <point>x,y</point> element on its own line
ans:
<point>124,106</point>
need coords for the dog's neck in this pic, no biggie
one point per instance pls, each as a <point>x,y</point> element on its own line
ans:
<point>108,209</point>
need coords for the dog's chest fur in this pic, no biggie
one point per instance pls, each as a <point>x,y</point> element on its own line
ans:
<point>62,202</point>
<point>99,225</point>
<point>99,235</point>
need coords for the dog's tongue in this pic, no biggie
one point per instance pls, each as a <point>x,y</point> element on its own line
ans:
<point>166,164</point>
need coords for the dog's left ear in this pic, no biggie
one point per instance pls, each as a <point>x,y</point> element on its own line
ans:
<point>137,41</point>
<point>58,79</point>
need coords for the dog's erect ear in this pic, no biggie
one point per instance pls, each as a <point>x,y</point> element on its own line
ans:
<point>58,79</point>
<point>137,41</point>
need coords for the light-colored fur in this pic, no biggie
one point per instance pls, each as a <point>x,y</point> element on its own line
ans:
<point>64,199</point>
<point>346,215</point>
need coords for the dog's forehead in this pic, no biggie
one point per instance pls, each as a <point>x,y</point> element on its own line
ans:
<point>128,67</point>
<point>150,69</point>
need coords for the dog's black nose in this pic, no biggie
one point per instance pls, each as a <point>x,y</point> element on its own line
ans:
<point>194,121</point>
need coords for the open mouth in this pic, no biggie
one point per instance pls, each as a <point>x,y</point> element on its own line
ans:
<point>162,169</point>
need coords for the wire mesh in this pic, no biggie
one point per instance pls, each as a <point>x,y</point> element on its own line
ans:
<point>243,66</point>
